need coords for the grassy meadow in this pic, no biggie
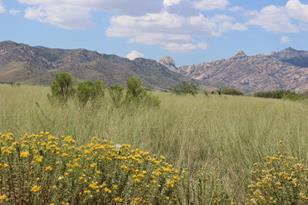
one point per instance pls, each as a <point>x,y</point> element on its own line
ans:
<point>221,136</point>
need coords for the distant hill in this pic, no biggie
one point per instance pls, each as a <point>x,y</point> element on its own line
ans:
<point>38,65</point>
<point>253,73</point>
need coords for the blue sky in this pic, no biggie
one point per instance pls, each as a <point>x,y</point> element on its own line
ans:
<point>191,31</point>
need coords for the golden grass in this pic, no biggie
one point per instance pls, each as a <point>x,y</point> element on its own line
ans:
<point>222,133</point>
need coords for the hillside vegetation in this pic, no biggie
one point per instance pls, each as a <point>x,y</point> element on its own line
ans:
<point>216,139</point>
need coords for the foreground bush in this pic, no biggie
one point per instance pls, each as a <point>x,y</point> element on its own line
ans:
<point>280,180</point>
<point>89,91</point>
<point>62,88</point>
<point>44,169</point>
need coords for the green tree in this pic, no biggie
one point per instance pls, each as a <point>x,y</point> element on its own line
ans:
<point>62,87</point>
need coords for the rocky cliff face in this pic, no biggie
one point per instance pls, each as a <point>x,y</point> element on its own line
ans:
<point>250,73</point>
<point>27,64</point>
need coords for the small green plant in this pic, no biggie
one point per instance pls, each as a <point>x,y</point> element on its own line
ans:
<point>279,180</point>
<point>116,94</point>
<point>62,88</point>
<point>185,88</point>
<point>138,95</point>
<point>89,91</point>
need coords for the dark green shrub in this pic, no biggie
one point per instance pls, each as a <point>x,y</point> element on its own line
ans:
<point>89,91</point>
<point>185,88</point>
<point>230,91</point>
<point>281,94</point>
<point>116,94</point>
<point>62,88</point>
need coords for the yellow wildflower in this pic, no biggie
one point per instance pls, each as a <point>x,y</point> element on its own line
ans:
<point>118,199</point>
<point>36,189</point>
<point>4,198</point>
<point>48,169</point>
<point>24,154</point>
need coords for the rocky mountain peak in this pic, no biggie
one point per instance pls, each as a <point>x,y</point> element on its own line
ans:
<point>240,54</point>
<point>169,62</point>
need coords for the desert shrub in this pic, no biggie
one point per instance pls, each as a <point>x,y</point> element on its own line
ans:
<point>137,95</point>
<point>116,94</point>
<point>230,91</point>
<point>205,92</point>
<point>89,91</point>
<point>62,88</point>
<point>279,180</point>
<point>44,169</point>
<point>185,88</point>
<point>281,94</point>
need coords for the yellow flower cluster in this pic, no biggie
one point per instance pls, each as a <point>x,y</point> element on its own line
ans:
<point>55,170</point>
<point>279,180</point>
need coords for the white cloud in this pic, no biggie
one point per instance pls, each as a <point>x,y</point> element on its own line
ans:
<point>185,47</point>
<point>168,3</point>
<point>236,9</point>
<point>74,14</point>
<point>293,17</point>
<point>2,8</point>
<point>176,25</point>
<point>211,4</point>
<point>171,31</point>
<point>134,54</point>
<point>68,17</point>
<point>284,39</point>
<point>14,12</point>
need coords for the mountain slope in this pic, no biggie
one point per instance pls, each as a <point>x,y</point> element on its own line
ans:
<point>24,63</point>
<point>293,56</point>
<point>250,73</point>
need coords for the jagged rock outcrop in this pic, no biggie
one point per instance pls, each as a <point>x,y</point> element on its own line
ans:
<point>169,62</point>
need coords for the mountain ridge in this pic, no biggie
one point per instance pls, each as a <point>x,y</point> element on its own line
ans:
<point>285,69</point>
<point>251,73</point>
<point>38,65</point>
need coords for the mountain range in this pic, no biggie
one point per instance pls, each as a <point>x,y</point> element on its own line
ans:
<point>284,70</point>
<point>38,65</point>
<point>287,69</point>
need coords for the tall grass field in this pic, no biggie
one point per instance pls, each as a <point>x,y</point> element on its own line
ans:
<point>214,141</point>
